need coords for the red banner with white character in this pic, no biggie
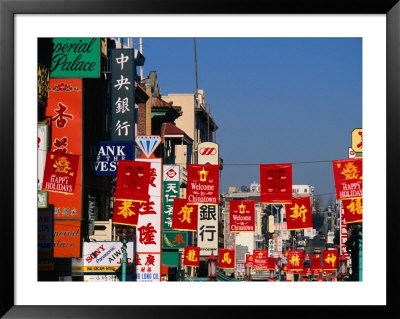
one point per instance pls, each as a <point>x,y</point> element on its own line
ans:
<point>184,215</point>
<point>226,258</point>
<point>348,178</point>
<point>353,210</point>
<point>60,173</point>
<point>276,183</point>
<point>133,180</point>
<point>330,259</point>
<point>298,214</point>
<point>241,216</point>
<point>191,256</point>
<point>203,183</point>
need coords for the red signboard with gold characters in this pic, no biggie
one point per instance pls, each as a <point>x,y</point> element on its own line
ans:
<point>353,210</point>
<point>60,173</point>
<point>226,258</point>
<point>249,260</point>
<point>241,216</point>
<point>184,215</point>
<point>203,183</point>
<point>126,212</point>
<point>330,259</point>
<point>298,214</point>
<point>348,178</point>
<point>295,260</point>
<point>276,183</point>
<point>191,256</point>
<point>260,260</point>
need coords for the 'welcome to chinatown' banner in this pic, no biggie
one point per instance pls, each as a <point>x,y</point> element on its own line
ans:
<point>203,184</point>
<point>276,183</point>
<point>241,216</point>
<point>298,214</point>
<point>348,178</point>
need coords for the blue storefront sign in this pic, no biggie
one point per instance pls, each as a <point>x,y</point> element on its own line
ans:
<point>108,155</point>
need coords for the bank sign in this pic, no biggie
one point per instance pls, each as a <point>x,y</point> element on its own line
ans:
<point>75,58</point>
<point>108,155</point>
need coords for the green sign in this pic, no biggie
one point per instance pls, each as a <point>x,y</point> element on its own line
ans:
<point>170,191</point>
<point>75,58</point>
<point>174,239</point>
<point>170,259</point>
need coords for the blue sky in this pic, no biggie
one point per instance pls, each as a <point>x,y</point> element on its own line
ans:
<point>275,100</point>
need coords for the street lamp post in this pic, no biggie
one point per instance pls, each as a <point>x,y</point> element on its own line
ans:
<point>248,273</point>
<point>124,257</point>
<point>212,267</point>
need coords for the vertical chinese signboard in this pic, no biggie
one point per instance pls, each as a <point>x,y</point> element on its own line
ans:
<point>170,191</point>
<point>43,144</point>
<point>276,183</point>
<point>75,58</point>
<point>64,107</point>
<point>241,216</point>
<point>122,95</point>
<point>226,258</point>
<point>353,210</point>
<point>348,178</point>
<point>207,229</point>
<point>343,235</point>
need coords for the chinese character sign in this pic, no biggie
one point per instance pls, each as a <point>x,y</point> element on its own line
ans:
<point>343,234</point>
<point>122,95</point>
<point>133,180</point>
<point>148,267</point>
<point>353,210</point>
<point>203,184</point>
<point>294,260</point>
<point>126,212</point>
<point>43,134</point>
<point>60,172</point>
<point>64,108</point>
<point>191,256</point>
<point>276,183</point>
<point>174,239</point>
<point>330,259</point>
<point>241,216</point>
<point>348,178</point>
<point>170,192</point>
<point>184,215</point>
<point>298,214</point>
<point>226,258</point>
<point>207,229</point>
<point>260,260</point>
<point>316,262</point>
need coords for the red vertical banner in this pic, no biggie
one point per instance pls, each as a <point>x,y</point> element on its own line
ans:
<point>348,178</point>
<point>249,260</point>
<point>226,258</point>
<point>126,212</point>
<point>60,173</point>
<point>276,183</point>
<point>271,263</point>
<point>353,210</point>
<point>64,107</point>
<point>260,259</point>
<point>241,216</point>
<point>184,215</point>
<point>203,184</point>
<point>298,214</point>
<point>133,180</point>
<point>330,259</point>
<point>67,238</point>
<point>295,260</point>
<point>316,262</point>
<point>191,256</point>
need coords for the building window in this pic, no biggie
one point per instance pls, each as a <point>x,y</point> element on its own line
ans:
<point>305,190</point>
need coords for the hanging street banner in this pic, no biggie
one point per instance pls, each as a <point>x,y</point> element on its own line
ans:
<point>184,215</point>
<point>203,184</point>
<point>64,107</point>
<point>207,229</point>
<point>226,258</point>
<point>122,95</point>
<point>108,155</point>
<point>191,256</point>
<point>60,173</point>
<point>172,239</point>
<point>43,144</point>
<point>271,263</point>
<point>75,58</point>
<point>260,260</point>
<point>133,181</point>
<point>343,235</point>
<point>330,259</point>
<point>348,178</point>
<point>357,140</point>
<point>67,238</point>
<point>43,83</point>
<point>353,210</point>
<point>170,192</point>
<point>276,183</point>
<point>103,256</point>
<point>249,260</point>
<point>294,259</point>
<point>208,153</point>
<point>241,216</point>
<point>298,214</point>
<point>126,212</point>
<point>148,267</point>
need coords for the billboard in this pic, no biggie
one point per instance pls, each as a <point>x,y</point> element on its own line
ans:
<point>108,155</point>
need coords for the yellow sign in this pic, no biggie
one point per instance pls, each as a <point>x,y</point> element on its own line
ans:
<point>357,140</point>
<point>98,268</point>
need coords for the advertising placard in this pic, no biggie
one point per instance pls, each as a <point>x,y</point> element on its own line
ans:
<point>67,238</point>
<point>298,214</point>
<point>75,58</point>
<point>108,155</point>
<point>208,153</point>
<point>348,178</point>
<point>148,267</point>
<point>343,235</point>
<point>276,183</point>
<point>260,260</point>
<point>241,216</point>
<point>207,229</point>
<point>203,184</point>
<point>357,140</point>
<point>170,192</point>
<point>185,215</point>
<point>174,239</point>
<point>45,236</point>
<point>123,95</point>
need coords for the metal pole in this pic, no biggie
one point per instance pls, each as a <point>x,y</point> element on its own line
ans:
<point>124,256</point>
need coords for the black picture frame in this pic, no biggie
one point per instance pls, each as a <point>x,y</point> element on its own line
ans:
<point>8,10</point>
